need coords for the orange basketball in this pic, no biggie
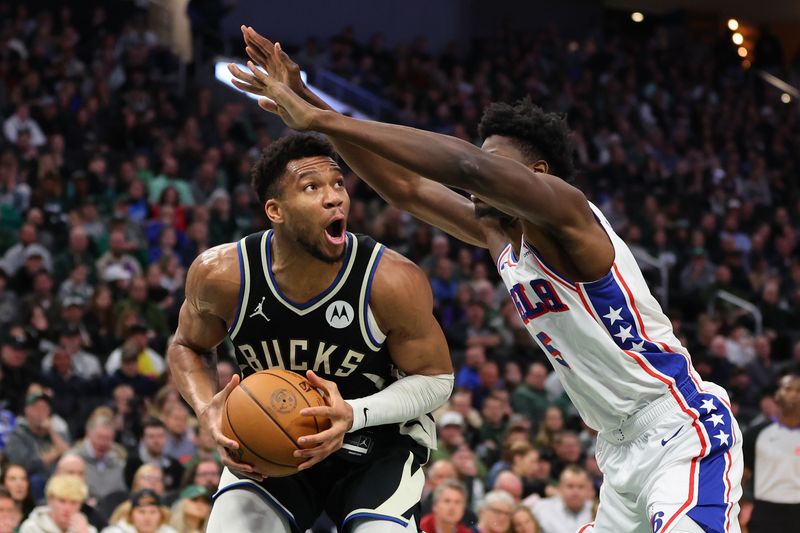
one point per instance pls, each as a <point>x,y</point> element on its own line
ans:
<point>263,415</point>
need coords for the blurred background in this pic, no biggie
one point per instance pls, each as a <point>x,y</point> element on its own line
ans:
<point>125,152</point>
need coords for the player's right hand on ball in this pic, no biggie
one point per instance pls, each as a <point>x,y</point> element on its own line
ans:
<point>211,417</point>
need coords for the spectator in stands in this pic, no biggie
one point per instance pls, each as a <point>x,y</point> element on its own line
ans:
<point>567,448</point>
<point>471,473</point>
<point>104,461</point>
<point>143,513</point>
<point>468,377</point>
<point>15,481</point>
<point>16,372</point>
<point>571,509</point>
<point>449,505</point>
<point>450,428</point>
<point>552,425</point>
<point>191,512</point>
<point>34,443</point>
<point>10,516</point>
<point>84,364</point>
<point>495,513</point>
<point>74,465</point>
<point>522,521</point>
<point>77,253</point>
<point>494,425</point>
<point>770,448</point>
<point>180,435</point>
<point>138,302</point>
<point>206,448</point>
<point>509,482</point>
<point>20,122</point>
<point>150,362</point>
<point>129,372</point>
<point>437,473</point>
<point>65,494</point>
<point>71,392</point>
<point>117,256</point>
<point>152,451</point>
<point>205,473</point>
<point>530,398</point>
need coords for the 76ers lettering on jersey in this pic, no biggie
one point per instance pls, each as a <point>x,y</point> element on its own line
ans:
<point>609,341</point>
<point>334,334</point>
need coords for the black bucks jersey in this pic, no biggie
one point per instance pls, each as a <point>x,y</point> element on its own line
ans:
<point>334,334</point>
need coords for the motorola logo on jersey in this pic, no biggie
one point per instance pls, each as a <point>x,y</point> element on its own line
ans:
<point>339,314</point>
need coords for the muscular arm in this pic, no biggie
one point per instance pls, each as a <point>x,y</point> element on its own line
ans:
<point>212,286</point>
<point>403,306</point>
<point>427,200</point>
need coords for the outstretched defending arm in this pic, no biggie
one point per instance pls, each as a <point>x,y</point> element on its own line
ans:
<point>403,305</point>
<point>425,199</point>
<point>539,199</point>
<point>212,287</point>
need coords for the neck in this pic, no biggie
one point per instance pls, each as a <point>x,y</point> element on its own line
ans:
<point>300,275</point>
<point>791,420</point>
<point>193,522</point>
<point>445,527</point>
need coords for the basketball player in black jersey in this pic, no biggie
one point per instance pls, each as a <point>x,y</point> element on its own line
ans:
<point>351,315</point>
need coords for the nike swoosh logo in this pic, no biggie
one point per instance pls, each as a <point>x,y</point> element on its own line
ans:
<point>665,441</point>
<point>365,415</point>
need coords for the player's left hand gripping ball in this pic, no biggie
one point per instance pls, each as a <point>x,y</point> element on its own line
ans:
<point>318,447</point>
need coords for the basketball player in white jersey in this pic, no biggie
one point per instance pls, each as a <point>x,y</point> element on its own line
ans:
<point>668,445</point>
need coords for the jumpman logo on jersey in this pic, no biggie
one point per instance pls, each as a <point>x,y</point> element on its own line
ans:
<point>260,309</point>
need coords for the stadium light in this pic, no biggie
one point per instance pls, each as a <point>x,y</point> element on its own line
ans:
<point>637,17</point>
<point>742,51</point>
<point>785,98</point>
<point>733,24</point>
<point>737,38</point>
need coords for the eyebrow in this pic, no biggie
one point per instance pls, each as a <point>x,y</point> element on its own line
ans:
<point>304,173</point>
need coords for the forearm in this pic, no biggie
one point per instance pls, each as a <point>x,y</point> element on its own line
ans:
<point>195,374</point>
<point>442,158</point>
<point>391,181</point>
<point>405,399</point>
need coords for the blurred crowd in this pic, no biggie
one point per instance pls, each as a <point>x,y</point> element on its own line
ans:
<point>112,181</point>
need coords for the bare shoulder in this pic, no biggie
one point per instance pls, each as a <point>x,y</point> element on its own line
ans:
<point>400,290</point>
<point>213,280</point>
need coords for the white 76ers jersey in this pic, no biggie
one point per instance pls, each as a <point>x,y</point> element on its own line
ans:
<point>609,340</point>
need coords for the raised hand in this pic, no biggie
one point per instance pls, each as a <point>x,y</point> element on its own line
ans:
<point>341,416</point>
<point>273,59</point>
<point>280,99</point>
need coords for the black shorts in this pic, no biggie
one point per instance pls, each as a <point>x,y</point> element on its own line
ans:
<point>385,484</point>
<point>771,517</point>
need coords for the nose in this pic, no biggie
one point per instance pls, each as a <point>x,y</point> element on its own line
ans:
<point>333,197</point>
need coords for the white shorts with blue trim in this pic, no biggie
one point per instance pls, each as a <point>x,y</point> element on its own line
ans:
<point>679,457</point>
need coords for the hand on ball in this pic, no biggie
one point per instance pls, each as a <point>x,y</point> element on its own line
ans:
<point>211,417</point>
<point>318,447</point>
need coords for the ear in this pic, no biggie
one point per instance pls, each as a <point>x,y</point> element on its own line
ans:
<point>540,166</point>
<point>273,210</point>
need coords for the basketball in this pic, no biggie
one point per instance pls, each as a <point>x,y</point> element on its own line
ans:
<point>262,414</point>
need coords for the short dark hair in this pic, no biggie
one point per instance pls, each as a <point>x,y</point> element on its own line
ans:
<point>152,422</point>
<point>267,172</point>
<point>537,134</point>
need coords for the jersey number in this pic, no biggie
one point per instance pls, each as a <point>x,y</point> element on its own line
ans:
<point>546,341</point>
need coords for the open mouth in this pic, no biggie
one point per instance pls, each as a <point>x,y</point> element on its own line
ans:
<point>335,231</point>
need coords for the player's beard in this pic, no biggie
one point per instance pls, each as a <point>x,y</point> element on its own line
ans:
<point>315,250</point>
